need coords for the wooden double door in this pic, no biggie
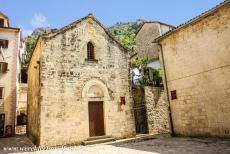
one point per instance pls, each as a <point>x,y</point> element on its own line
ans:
<point>96,119</point>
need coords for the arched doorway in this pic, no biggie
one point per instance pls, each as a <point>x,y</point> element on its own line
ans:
<point>95,93</point>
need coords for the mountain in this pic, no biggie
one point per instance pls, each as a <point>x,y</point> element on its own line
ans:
<point>126,32</point>
<point>42,30</point>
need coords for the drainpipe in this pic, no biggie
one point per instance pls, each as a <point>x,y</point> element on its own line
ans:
<point>166,87</point>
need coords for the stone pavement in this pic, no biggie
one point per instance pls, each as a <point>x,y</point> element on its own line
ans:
<point>166,145</point>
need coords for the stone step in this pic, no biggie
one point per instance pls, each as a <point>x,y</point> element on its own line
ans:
<point>98,139</point>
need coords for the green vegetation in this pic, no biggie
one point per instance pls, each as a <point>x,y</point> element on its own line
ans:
<point>140,62</point>
<point>125,33</point>
<point>148,76</point>
<point>30,44</point>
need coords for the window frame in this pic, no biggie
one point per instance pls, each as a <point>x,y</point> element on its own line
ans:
<point>173,95</point>
<point>90,51</point>
<point>2,21</point>
<point>5,43</point>
<point>2,91</point>
<point>3,67</point>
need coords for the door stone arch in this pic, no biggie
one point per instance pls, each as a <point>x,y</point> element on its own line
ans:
<point>95,89</point>
<point>95,94</point>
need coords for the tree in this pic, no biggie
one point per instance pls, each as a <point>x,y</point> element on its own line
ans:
<point>30,45</point>
<point>148,76</point>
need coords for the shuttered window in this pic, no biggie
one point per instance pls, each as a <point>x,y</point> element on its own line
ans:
<point>1,22</point>
<point>90,51</point>
<point>1,92</point>
<point>3,67</point>
<point>4,43</point>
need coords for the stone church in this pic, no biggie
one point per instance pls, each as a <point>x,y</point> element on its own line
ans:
<point>79,86</point>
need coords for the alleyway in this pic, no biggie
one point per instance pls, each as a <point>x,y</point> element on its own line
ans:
<point>155,146</point>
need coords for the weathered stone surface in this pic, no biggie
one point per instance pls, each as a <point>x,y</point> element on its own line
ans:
<point>157,110</point>
<point>145,37</point>
<point>197,66</point>
<point>155,102</point>
<point>60,92</point>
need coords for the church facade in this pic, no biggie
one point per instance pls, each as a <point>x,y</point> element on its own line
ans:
<point>79,86</point>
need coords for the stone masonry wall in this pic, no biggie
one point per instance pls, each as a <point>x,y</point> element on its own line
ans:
<point>157,110</point>
<point>33,102</point>
<point>198,67</point>
<point>144,40</point>
<point>66,80</point>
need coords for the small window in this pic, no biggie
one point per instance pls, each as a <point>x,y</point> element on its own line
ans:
<point>21,119</point>
<point>1,92</point>
<point>173,95</point>
<point>90,51</point>
<point>3,67</point>
<point>1,22</point>
<point>122,98</point>
<point>4,43</point>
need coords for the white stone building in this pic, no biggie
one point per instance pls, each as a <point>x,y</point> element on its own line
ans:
<point>11,52</point>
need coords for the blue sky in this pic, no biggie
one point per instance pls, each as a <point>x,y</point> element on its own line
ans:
<point>30,14</point>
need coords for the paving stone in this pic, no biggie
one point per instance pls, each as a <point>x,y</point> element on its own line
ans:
<point>161,145</point>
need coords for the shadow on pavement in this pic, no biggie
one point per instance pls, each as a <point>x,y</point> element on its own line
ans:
<point>17,144</point>
<point>180,145</point>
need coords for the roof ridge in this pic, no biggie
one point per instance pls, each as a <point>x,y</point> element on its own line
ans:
<point>194,19</point>
<point>159,22</point>
<point>90,15</point>
<point>163,23</point>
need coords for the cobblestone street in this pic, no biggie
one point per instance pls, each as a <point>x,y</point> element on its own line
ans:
<point>176,145</point>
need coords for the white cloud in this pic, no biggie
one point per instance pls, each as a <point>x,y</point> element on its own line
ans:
<point>39,20</point>
<point>27,32</point>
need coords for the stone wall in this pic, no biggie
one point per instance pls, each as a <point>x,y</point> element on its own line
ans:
<point>144,40</point>
<point>33,102</point>
<point>157,110</point>
<point>197,66</point>
<point>69,81</point>
<point>145,37</point>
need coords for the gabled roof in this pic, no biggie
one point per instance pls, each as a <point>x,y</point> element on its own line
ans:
<point>64,29</point>
<point>194,20</point>
<point>152,22</point>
